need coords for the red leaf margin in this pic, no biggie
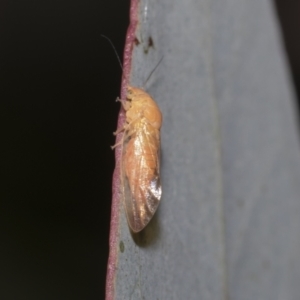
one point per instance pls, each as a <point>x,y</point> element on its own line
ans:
<point>116,197</point>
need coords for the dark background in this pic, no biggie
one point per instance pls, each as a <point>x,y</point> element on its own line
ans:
<point>58,83</point>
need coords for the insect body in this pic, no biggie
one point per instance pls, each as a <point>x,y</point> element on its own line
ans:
<point>140,158</point>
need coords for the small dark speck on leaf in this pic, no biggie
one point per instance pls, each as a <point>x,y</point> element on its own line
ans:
<point>150,42</point>
<point>136,41</point>
<point>122,247</point>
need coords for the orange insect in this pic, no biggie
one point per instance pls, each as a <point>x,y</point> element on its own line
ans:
<point>140,157</point>
<point>140,161</point>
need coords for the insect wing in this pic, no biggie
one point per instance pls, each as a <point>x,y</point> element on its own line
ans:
<point>141,177</point>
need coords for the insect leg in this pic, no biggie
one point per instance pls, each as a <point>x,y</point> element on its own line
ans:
<point>126,104</point>
<point>116,145</point>
<point>125,127</point>
<point>126,135</point>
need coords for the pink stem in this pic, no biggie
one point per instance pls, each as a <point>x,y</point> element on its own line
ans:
<point>116,199</point>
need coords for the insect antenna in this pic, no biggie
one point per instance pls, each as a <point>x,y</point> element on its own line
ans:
<point>119,60</point>
<point>115,50</point>
<point>151,73</point>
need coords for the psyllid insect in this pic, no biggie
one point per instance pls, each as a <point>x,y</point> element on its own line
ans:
<point>140,161</point>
